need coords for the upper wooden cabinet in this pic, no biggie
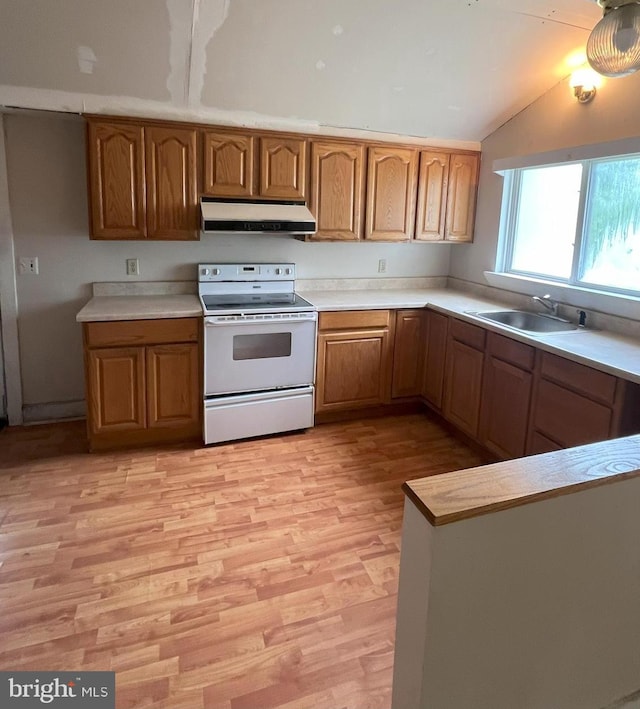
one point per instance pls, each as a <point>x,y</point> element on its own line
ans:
<point>229,164</point>
<point>116,181</point>
<point>432,196</point>
<point>337,182</point>
<point>145,178</point>
<point>391,190</point>
<point>447,187</point>
<point>172,191</point>
<point>142,181</point>
<point>283,168</point>
<point>461,197</point>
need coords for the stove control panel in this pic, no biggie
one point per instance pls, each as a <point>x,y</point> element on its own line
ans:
<point>214,272</point>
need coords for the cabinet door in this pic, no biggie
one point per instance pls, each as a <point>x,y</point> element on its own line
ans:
<point>391,193</point>
<point>172,196</point>
<point>173,392</point>
<point>228,165</point>
<point>116,180</point>
<point>353,369</point>
<point>436,326</point>
<point>432,196</point>
<point>283,168</point>
<point>115,389</point>
<point>504,416</point>
<point>461,199</point>
<point>337,181</point>
<point>408,353</point>
<point>463,386</point>
<point>568,418</point>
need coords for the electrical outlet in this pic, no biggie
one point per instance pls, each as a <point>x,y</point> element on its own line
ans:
<point>28,265</point>
<point>133,267</point>
<point>382,265</point>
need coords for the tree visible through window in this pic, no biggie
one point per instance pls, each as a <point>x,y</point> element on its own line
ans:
<point>577,223</point>
<point>611,253</point>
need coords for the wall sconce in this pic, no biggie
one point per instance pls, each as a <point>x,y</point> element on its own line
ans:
<point>584,84</point>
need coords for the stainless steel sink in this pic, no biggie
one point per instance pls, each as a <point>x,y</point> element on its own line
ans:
<point>529,322</point>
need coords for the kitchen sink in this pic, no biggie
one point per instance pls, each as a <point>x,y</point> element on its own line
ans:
<point>529,322</point>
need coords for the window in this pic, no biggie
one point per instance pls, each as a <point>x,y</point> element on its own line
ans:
<point>576,223</point>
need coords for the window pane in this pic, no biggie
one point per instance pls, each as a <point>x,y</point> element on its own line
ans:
<point>611,250</point>
<point>546,225</point>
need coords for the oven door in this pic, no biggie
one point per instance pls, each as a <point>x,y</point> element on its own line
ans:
<point>258,352</point>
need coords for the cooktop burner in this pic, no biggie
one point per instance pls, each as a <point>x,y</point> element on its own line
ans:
<point>237,288</point>
<point>255,301</point>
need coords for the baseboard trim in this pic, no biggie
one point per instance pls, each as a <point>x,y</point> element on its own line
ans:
<point>54,411</point>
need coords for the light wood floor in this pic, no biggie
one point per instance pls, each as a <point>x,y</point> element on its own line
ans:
<point>252,575</point>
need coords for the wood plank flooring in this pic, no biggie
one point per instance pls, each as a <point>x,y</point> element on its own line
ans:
<point>255,575</point>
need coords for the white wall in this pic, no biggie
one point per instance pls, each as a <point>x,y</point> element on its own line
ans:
<point>48,200</point>
<point>556,120</point>
<point>527,608</point>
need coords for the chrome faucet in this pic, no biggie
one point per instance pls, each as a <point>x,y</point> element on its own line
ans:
<point>546,301</point>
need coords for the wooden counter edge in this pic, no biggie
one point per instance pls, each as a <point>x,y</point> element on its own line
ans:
<point>452,497</point>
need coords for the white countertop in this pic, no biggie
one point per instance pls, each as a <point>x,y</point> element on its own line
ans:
<point>605,351</point>
<point>139,307</point>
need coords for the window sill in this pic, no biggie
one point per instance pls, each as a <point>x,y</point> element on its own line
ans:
<point>625,306</point>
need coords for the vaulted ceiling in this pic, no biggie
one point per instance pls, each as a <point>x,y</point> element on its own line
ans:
<point>453,69</point>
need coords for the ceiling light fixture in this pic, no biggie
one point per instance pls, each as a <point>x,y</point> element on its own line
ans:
<point>613,48</point>
<point>583,84</point>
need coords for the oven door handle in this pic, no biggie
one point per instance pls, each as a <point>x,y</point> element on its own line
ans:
<point>226,320</point>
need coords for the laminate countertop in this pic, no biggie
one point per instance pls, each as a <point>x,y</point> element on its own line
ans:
<point>608,352</point>
<point>139,307</point>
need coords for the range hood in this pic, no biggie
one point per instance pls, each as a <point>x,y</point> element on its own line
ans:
<point>256,216</point>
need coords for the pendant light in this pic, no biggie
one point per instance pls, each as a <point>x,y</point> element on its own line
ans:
<point>613,49</point>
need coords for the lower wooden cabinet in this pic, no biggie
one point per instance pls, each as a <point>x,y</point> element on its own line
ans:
<point>574,404</point>
<point>408,353</point>
<point>463,386</point>
<point>172,379</point>
<point>143,381</point>
<point>506,396</point>
<point>354,360</point>
<point>436,327</point>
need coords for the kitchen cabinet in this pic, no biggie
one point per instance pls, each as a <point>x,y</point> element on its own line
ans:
<point>436,327</point>
<point>408,353</point>
<point>337,184</point>
<point>172,191</point>
<point>447,186</point>
<point>229,164</point>
<point>283,168</point>
<point>463,376</point>
<point>142,181</point>
<point>461,197</point>
<point>506,396</point>
<point>391,193</point>
<point>574,404</point>
<point>116,180</point>
<point>354,360</point>
<point>143,381</point>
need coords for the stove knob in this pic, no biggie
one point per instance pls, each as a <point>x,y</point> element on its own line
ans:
<point>288,271</point>
<point>278,271</point>
<point>216,271</point>
<point>205,271</point>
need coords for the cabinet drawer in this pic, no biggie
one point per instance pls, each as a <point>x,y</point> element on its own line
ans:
<point>516,353</point>
<point>350,319</point>
<point>141,332</point>
<point>470,334</point>
<point>569,418</point>
<point>594,384</point>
